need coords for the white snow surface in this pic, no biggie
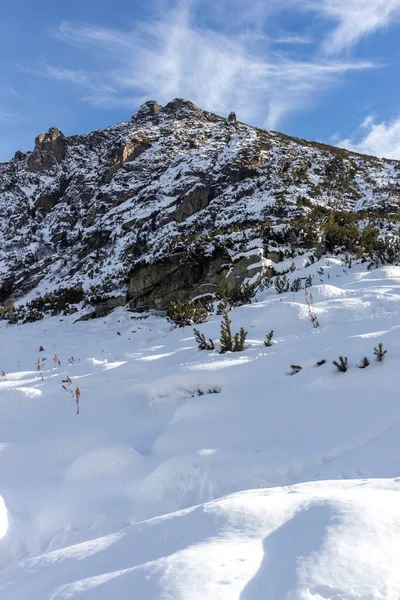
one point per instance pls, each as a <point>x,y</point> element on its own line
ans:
<point>194,475</point>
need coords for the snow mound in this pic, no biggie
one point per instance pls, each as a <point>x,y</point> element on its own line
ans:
<point>169,393</point>
<point>312,541</point>
<point>325,292</point>
<point>104,461</point>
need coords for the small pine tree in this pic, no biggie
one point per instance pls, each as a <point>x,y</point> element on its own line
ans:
<point>292,267</point>
<point>187,312</point>
<point>239,340</point>
<point>380,353</point>
<point>320,363</point>
<point>364,363</point>
<point>268,341</point>
<point>202,342</point>
<point>295,369</point>
<point>308,281</point>
<point>342,364</point>
<point>281,284</point>
<point>226,333</point>
<point>296,285</point>
<point>234,294</point>
<point>228,342</point>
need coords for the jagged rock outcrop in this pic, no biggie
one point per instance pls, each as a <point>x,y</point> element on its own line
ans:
<point>165,204</point>
<point>50,150</point>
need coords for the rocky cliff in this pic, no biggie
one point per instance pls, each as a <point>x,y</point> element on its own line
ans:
<point>167,204</point>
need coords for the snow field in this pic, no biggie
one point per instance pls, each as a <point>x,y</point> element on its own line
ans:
<point>135,493</point>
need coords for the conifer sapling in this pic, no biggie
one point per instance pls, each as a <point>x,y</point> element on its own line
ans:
<point>295,369</point>
<point>364,363</point>
<point>202,342</point>
<point>380,353</point>
<point>281,284</point>
<point>239,340</point>
<point>268,341</point>
<point>296,285</point>
<point>228,342</point>
<point>342,364</point>
<point>226,333</point>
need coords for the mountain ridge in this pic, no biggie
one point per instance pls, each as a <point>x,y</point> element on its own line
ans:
<point>106,211</point>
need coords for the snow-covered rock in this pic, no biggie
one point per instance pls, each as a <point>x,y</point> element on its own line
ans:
<point>176,190</point>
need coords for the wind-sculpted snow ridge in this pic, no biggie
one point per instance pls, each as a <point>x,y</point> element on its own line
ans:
<point>86,210</point>
<point>193,474</point>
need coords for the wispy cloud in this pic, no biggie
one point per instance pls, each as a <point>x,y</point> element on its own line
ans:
<point>90,80</point>
<point>354,19</point>
<point>71,75</point>
<point>377,139</point>
<point>218,71</point>
<point>8,117</point>
<point>292,39</point>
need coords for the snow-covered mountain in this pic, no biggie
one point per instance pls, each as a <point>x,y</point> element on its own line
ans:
<point>133,464</point>
<point>151,209</point>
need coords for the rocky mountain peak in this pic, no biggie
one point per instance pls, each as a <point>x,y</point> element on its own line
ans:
<point>48,140</point>
<point>50,150</point>
<point>148,109</point>
<point>167,203</point>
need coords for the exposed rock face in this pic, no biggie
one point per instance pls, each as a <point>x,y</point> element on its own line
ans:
<point>169,203</point>
<point>177,277</point>
<point>193,201</point>
<point>50,150</point>
<point>125,152</point>
<point>148,109</point>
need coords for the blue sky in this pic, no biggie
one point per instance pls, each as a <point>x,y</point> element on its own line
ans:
<point>327,70</point>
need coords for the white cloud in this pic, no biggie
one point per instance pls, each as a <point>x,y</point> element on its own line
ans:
<point>218,71</point>
<point>292,39</point>
<point>380,139</point>
<point>355,19</point>
<point>72,75</point>
<point>7,117</point>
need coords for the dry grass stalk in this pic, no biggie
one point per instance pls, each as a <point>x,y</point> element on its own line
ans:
<point>69,381</point>
<point>39,368</point>
<point>77,396</point>
<point>56,362</point>
<point>311,310</point>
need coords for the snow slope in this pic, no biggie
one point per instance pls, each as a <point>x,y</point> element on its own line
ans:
<point>196,475</point>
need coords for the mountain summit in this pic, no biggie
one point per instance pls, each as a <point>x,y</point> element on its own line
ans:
<point>157,207</point>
